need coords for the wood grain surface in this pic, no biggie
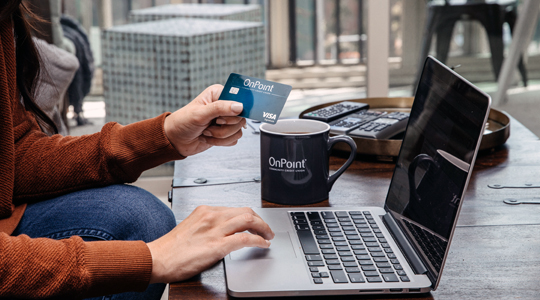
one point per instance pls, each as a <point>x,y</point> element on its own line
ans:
<point>496,247</point>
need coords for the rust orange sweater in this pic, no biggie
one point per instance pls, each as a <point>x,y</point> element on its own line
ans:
<point>35,167</point>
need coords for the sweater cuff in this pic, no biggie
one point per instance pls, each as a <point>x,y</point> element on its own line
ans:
<point>118,266</point>
<point>143,145</point>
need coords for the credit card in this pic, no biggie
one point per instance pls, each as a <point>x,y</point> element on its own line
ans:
<point>263,100</point>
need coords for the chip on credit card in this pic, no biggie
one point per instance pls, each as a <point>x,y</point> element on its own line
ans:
<point>263,100</point>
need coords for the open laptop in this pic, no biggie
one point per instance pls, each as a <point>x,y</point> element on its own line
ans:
<point>398,248</point>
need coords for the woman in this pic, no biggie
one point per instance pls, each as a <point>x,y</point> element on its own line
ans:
<point>63,207</point>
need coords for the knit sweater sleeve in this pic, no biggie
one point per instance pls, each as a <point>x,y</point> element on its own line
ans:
<point>49,166</point>
<point>71,268</point>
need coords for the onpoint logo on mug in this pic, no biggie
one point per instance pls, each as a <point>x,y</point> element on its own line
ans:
<point>286,165</point>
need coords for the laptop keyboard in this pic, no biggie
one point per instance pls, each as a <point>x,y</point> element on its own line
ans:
<point>434,247</point>
<point>347,246</point>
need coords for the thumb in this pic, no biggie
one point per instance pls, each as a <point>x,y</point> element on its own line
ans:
<point>222,108</point>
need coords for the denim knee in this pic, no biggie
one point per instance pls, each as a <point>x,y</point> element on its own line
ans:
<point>116,212</point>
<point>139,214</point>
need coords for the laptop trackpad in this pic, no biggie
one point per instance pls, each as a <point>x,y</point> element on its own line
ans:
<point>281,248</point>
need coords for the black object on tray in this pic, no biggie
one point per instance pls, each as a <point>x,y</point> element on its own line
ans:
<point>496,133</point>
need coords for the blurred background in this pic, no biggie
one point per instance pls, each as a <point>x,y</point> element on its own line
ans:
<point>329,33</point>
<point>320,47</point>
<point>139,58</point>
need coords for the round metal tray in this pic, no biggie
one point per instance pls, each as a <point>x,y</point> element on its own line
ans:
<point>496,133</point>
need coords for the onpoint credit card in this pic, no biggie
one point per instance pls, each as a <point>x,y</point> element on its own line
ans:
<point>263,100</point>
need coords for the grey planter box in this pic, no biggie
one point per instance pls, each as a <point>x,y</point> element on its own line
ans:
<point>153,67</point>
<point>230,12</point>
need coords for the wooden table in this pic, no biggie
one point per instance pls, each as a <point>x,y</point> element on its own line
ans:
<point>495,253</point>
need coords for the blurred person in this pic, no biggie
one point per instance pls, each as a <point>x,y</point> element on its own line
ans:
<point>82,81</point>
<point>69,228</point>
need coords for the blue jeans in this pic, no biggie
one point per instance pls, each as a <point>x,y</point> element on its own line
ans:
<point>117,212</point>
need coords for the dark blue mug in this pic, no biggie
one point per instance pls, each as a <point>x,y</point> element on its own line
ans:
<point>295,157</point>
<point>435,186</point>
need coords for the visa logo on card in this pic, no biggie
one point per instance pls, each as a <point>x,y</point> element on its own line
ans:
<point>263,100</point>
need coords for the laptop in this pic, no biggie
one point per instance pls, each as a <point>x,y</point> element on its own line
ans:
<point>399,248</point>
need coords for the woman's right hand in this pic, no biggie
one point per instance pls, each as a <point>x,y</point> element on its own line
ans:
<point>205,122</point>
<point>207,235</point>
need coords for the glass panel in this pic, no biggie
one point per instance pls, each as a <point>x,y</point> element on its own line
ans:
<point>139,4</point>
<point>233,2</point>
<point>305,22</point>
<point>120,11</point>
<point>534,46</point>
<point>95,13</point>
<point>349,37</point>
<point>396,28</point>
<point>330,49</point>
<point>71,8</point>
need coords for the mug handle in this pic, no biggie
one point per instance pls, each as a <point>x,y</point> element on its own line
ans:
<point>412,169</point>
<point>331,142</point>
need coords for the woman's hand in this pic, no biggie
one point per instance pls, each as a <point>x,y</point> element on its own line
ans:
<point>205,122</point>
<point>203,238</point>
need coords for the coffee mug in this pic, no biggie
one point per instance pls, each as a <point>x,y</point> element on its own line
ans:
<point>435,195</point>
<point>295,161</point>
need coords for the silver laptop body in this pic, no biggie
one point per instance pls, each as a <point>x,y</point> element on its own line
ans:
<point>398,248</point>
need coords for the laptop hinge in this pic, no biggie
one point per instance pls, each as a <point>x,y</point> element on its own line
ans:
<point>410,254</point>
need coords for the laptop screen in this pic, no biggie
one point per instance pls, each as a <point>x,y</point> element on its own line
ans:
<point>436,158</point>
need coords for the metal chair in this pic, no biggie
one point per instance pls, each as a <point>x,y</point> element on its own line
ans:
<point>442,18</point>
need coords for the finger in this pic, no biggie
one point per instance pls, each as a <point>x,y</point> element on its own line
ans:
<point>230,145</point>
<point>247,221</point>
<point>248,210</point>
<point>223,131</point>
<point>211,93</point>
<point>220,213</point>
<point>229,120</point>
<point>216,214</point>
<point>221,142</point>
<point>230,212</point>
<point>244,239</point>
<point>220,108</point>
<point>216,90</point>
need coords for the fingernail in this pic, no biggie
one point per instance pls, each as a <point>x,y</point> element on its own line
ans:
<point>245,126</point>
<point>220,121</point>
<point>268,243</point>
<point>207,133</point>
<point>202,139</point>
<point>237,107</point>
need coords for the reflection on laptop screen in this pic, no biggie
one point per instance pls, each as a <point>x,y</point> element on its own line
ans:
<point>435,159</point>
